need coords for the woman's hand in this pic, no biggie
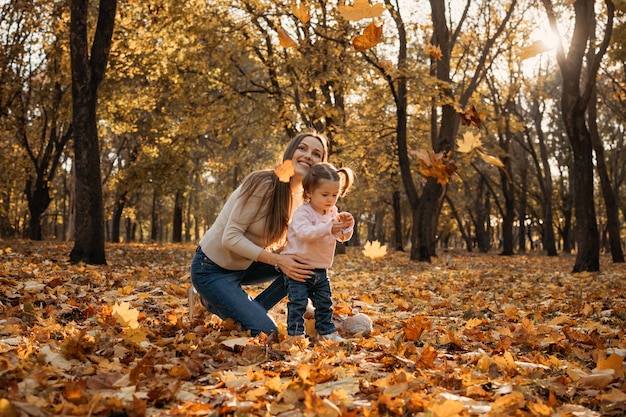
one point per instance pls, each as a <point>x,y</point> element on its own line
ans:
<point>295,267</point>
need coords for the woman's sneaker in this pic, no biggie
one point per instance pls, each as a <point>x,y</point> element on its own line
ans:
<point>333,337</point>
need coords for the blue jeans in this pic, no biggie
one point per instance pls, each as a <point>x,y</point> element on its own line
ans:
<point>222,290</point>
<point>317,288</point>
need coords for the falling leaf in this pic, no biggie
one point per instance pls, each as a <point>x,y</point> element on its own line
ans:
<point>434,51</point>
<point>361,10</point>
<point>493,160</point>
<point>536,48</point>
<point>386,64</point>
<point>284,171</point>
<point>371,37</point>
<point>125,315</point>
<point>470,117</point>
<point>437,165</point>
<point>301,12</point>
<point>470,141</point>
<point>374,250</point>
<point>286,41</point>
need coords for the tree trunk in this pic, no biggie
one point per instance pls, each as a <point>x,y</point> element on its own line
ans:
<point>87,75</point>
<point>397,221</point>
<point>118,209</point>
<point>544,176</point>
<point>464,233</point>
<point>610,200</point>
<point>177,223</point>
<point>574,105</point>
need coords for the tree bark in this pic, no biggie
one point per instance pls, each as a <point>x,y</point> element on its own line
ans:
<point>87,74</point>
<point>574,106</point>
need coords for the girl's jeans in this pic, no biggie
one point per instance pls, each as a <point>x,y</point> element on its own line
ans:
<point>317,288</point>
<point>222,290</point>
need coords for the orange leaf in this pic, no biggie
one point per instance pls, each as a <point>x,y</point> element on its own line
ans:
<point>301,12</point>
<point>434,51</point>
<point>284,171</point>
<point>415,326</point>
<point>361,10</point>
<point>371,37</point>
<point>286,41</point>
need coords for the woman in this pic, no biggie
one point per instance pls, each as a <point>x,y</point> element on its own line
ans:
<point>240,247</point>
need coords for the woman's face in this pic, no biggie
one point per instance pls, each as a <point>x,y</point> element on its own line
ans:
<point>309,152</point>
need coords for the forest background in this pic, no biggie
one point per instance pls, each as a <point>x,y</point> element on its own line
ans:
<point>484,125</point>
<point>472,126</point>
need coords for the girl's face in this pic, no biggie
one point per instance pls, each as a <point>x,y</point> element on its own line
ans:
<point>309,152</point>
<point>324,197</point>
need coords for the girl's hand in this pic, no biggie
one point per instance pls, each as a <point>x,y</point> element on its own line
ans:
<point>295,267</point>
<point>346,219</point>
<point>337,227</point>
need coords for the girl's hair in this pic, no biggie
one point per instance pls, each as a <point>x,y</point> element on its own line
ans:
<point>327,172</point>
<point>277,197</point>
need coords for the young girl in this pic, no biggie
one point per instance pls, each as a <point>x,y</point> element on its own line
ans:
<point>313,233</point>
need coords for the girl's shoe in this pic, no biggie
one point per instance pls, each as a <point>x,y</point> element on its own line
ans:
<point>333,337</point>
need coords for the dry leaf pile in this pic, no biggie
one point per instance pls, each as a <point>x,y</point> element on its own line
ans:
<point>468,335</point>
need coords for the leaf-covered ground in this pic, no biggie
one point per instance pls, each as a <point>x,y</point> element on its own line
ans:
<point>467,335</point>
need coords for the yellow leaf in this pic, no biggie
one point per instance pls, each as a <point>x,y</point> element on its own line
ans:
<point>361,10</point>
<point>371,37</point>
<point>473,322</point>
<point>374,250</point>
<point>285,40</point>
<point>301,12</point>
<point>125,315</point>
<point>536,48</point>
<point>469,142</point>
<point>284,171</point>
<point>493,160</point>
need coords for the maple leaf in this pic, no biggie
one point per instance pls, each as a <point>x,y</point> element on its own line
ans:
<point>536,48</point>
<point>374,250</point>
<point>434,51</point>
<point>301,12</point>
<point>415,326</point>
<point>470,117</point>
<point>437,165</point>
<point>361,10</point>
<point>286,41</point>
<point>371,37</point>
<point>469,142</point>
<point>125,315</point>
<point>284,171</point>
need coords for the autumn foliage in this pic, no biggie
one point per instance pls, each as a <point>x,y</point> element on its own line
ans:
<point>467,335</point>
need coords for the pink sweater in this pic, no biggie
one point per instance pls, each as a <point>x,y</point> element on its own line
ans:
<point>309,235</point>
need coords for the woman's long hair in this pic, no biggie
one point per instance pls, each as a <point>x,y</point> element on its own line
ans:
<point>277,198</point>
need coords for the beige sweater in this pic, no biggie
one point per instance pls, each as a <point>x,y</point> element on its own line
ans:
<point>235,239</point>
